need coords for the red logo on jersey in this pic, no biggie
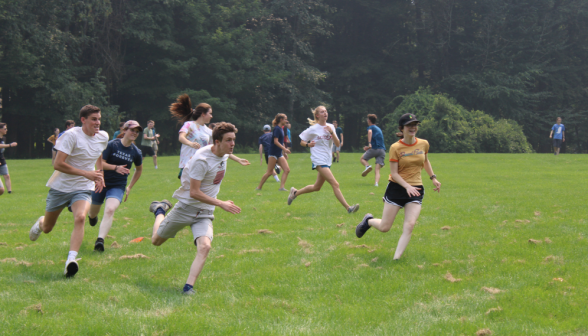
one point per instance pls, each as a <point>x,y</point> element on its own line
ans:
<point>219,177</point>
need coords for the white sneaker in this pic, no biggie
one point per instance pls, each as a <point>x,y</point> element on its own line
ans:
<point>35,230</point>
<point>367,170</point>
<point>71,268</point>
<point>376,184</point>
<point>292,195</point>
<point>155,167</point>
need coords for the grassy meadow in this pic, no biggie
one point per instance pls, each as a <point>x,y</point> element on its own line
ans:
<point>310,275</point>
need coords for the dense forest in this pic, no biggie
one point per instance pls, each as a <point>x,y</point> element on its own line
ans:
<point>515,65</point>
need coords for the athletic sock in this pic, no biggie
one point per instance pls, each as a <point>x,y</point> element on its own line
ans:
<point>72,255</point>
<point>187,287</point>
<point>159,211</point>
<point>276,178</point>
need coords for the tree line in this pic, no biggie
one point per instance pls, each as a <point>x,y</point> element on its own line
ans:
<point>521,63</point>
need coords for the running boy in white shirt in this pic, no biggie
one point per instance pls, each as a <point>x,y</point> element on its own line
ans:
<point>197,199</point>
<point>74,178</point>
<point>320,137</point>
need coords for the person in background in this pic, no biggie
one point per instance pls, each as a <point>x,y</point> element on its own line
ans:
<point>375,149</point>
<point>120,129</point>
<point>194,134</point>
<point>276,152</point>
<point>288,137</point>
<point>336,150</point>
<point>149,142</point>
<point>558,133</point>
<point>264,144</point>
<point>53,139</point>
<point>3,166</point>
<point>211,126</point>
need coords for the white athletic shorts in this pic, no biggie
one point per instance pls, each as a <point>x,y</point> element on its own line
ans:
<point>182,215</point>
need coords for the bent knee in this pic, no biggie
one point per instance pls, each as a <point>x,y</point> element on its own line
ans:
<point>204,247</point>
<point>335,185</point>
<point>79,219</point>
<point>286,170</point>
<point>386,229</point>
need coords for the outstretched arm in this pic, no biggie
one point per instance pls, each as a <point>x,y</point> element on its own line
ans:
<point>243,162</point>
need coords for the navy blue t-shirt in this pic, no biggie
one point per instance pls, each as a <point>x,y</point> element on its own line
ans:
<point>275,150</point>
<point>117,154</point>
<point>377,137</point>
<point>266,141</point>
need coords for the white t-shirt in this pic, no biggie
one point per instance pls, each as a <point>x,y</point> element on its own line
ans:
<point>194,133</point>
<point>83,151</point>
<point>206,167</point>
<point>320,154</point>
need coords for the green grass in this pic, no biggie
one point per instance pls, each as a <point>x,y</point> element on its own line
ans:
<point>273,284</point>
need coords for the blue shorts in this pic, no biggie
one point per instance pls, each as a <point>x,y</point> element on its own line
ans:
<point>57,200</point>
<point>112,192</point>
<point>322,166</point>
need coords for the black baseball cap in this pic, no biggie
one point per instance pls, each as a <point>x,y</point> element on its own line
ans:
<point>407,119</point>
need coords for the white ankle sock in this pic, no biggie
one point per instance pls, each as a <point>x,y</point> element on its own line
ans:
<point>72,255</point>
<point>276,178</point>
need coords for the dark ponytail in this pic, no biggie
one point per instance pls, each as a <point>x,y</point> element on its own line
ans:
<point>182,108</point>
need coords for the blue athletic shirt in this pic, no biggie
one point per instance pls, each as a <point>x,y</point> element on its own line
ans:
<point>117,154</point>
<point>377,137</point>
<point>266,140</point>
<point>273,149</point>
<point>558,131</point>
<point>288,133</point>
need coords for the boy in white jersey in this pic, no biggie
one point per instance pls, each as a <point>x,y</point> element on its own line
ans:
<point>79,151</point>
<point>197,199</point>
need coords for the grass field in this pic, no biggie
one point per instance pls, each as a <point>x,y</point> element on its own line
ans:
<point>312,276</point>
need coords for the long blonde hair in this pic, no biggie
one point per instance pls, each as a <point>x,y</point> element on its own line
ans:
<point>315,113</point>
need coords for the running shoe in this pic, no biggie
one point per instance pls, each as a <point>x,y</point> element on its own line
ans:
<point>165,205</point>
<point>376,184</point>
<point>292,195</point>
<point>93,221</point>
<point>71,268</point>
<point>191,291</point>
<point>35,230</point>
<point>363,226</point>
<point>367,170</point>
<point>277,169</point>
<point>99,246</point>
<point>282,189</point>
<point>353,208</point>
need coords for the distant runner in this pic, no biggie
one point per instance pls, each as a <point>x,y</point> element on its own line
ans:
<point>558,133</point>
<point>375,149</point>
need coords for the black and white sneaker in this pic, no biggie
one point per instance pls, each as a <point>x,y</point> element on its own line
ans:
<point>71,268</point>
<point>363,226</point>
<point>277,169</point>
<point>99,245</point>
<point>165,205</point>
<point>93,221</point>
<point>189,292</point>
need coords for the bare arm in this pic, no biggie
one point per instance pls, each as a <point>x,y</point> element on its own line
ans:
<point>365,148</point>
<point>410,190</point>
<point>242,162</point>
<point>8,145</point>
<point>260,154</point>
<point>182,138</point>
<point>341,140</point>
<point>563,136</point>
<point>198,195</point>
<point>277,143</point>
<point>429,170</point>
<point>550,134</point>
<point>136,176</point>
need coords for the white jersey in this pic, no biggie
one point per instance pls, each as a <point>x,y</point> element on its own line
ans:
<point>321,153</point>
<point>194,133</point>
<point>83,151</point>
<point>206,167</point>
